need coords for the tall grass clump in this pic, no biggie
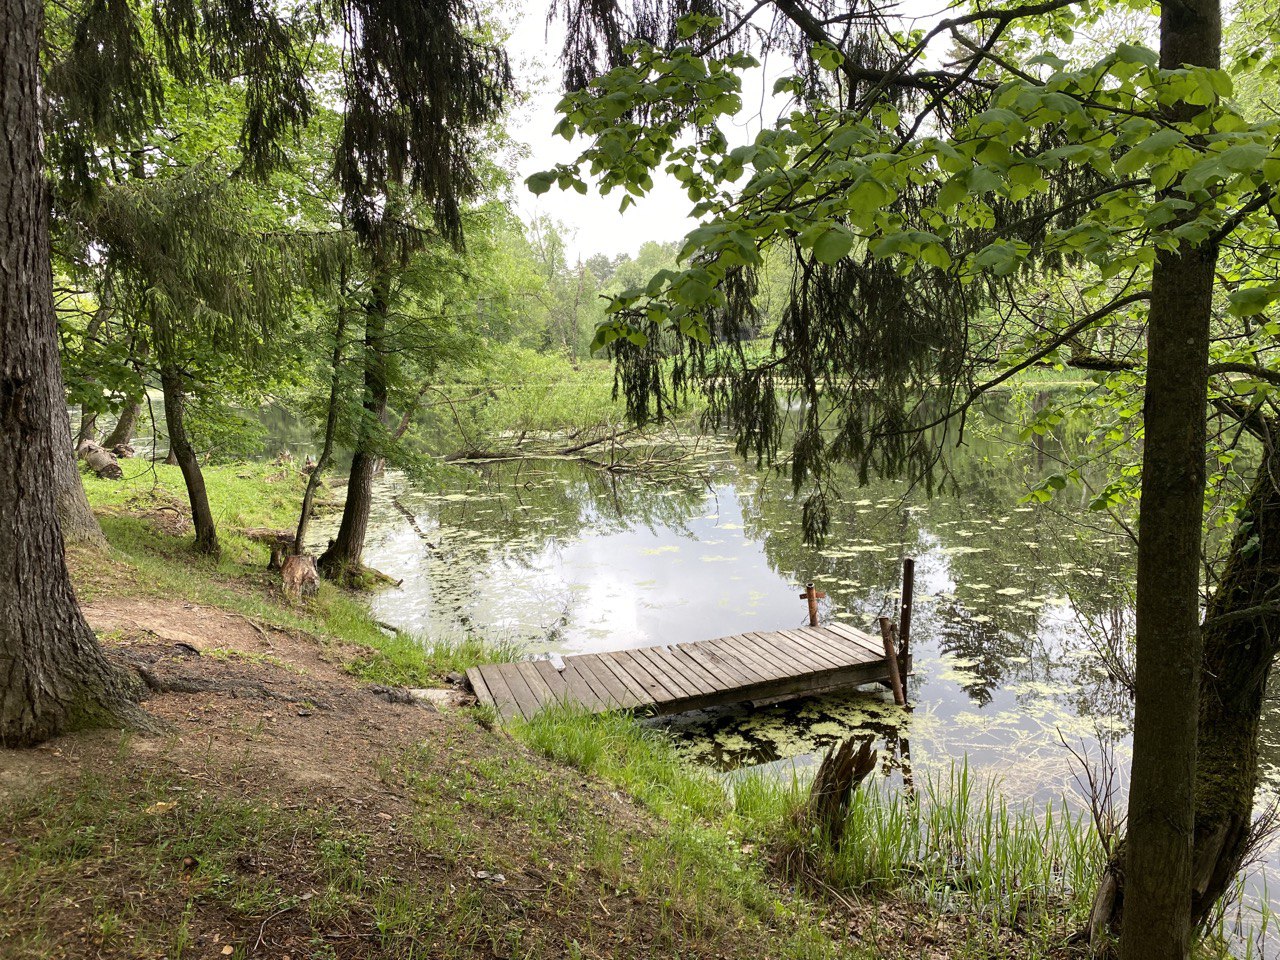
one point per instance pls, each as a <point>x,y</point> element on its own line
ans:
<point>1244,926</point>
<point>952,842</point>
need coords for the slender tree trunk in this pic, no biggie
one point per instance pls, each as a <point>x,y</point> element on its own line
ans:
<point>122,432</point>
<point>1241,642</point>
<point>181,452</point>
<point>1241,632</point>
<point>89,420</point>
<point>88,431</point>
<point>330,424</point>
<point>344,556</point>
<point>1157,901</point>
<point>53,675</point>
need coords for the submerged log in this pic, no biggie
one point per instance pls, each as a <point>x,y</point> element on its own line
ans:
<point>100,461</point>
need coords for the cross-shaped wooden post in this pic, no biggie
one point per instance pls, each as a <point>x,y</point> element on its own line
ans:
<point>813,596</point>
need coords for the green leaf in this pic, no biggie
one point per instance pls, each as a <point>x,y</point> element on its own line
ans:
<point>540,183</point>
<point>936,255</point>
<point>833,245</point>
<point>1131,53</point>
<point>1249,301</point>
<point>952,192</point>
<point>1244,157</point>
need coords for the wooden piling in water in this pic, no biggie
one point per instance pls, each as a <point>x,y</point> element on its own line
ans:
<point>813,595</point>
<point>891,661</point>
<point>904,616</point>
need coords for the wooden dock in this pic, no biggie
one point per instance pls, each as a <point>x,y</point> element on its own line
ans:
<point>748,667</point>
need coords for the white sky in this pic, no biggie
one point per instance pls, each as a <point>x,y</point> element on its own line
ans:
<point>592,223</point>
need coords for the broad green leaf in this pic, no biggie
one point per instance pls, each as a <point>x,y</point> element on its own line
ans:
<point>833,245</point>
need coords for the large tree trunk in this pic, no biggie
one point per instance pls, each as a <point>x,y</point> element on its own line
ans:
<point>53,675</point>
<point>1157,900</point>
<point>344,556</point>
<point>1241,642</point>
<point>181,450</point>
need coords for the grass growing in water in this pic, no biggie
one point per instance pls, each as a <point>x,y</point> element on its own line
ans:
<point>955,844</point>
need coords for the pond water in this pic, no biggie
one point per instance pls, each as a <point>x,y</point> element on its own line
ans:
<point>559,557</point>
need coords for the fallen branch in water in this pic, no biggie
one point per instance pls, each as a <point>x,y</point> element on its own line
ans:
<point>630,451</point>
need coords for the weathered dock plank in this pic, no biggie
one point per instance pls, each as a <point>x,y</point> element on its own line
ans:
<point>748,667</point>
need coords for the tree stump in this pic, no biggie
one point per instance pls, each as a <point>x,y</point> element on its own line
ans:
<point>101,461</point>
<point>840,772</point>
<point>299,576</point>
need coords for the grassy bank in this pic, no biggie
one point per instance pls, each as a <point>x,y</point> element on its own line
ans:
<point>145,519</point>
<point>950,865</point>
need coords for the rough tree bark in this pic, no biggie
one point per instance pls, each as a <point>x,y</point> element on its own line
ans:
<point>53,675</point>
<point>1241,642</point>
<point>1157,902</point>
<point>343,559</point>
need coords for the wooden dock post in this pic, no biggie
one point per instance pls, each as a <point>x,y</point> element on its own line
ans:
<point>891,661</point>
<point>904,617</point>
<point>813,596</point>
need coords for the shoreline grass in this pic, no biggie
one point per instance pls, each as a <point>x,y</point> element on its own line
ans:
<point>955,848</point>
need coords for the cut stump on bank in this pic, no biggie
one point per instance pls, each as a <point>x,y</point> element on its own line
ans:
<point>100,460</point>
<point>299,576</point>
